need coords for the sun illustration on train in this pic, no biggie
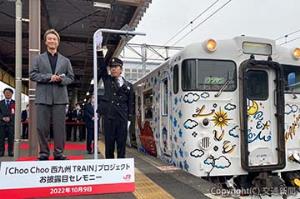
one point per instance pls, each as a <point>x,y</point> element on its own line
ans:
<point>221,118</point>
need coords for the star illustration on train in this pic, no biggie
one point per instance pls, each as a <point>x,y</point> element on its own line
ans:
<point>220,118</point>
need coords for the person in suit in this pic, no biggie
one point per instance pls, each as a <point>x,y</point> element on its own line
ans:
<point>24,120</point>
<point>89,119</point>
<point>117,106</point>
<point>78,117</point>
<point>7,122</point>
<point>69,119</point>
<point>52,72</point>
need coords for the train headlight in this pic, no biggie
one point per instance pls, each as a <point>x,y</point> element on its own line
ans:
<point>296,53</point>
<point>297,182</point>
<point>211,45</point>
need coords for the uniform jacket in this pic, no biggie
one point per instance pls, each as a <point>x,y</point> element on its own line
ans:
<point>47,92</point>
<point>7,112</point>
<point>88,115</point>
<point>117,102</point>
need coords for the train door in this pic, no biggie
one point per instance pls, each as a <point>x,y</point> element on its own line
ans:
<point>165,129</point>
<point>262,115</point>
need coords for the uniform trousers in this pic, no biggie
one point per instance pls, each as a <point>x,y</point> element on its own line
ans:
<point>89,139</point>
<point>115,131</point>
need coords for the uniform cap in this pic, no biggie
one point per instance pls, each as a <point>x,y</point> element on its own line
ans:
<point>116,62</point>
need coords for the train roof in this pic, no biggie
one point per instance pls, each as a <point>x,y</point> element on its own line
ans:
<point>278,53</point>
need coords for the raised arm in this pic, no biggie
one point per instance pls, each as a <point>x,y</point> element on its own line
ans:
<point>102,70</point>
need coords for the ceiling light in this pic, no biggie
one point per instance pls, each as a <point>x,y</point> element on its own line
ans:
<point>102,5</point>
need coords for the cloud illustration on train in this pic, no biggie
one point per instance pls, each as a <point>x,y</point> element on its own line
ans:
<point>230,107</point>
<point>205,95</point>
<point>290,109</point>
<point>197,153</point>
<point>190,124</point>
<point>233,132</point>
<point>191,97</point>
<point>221,162</point>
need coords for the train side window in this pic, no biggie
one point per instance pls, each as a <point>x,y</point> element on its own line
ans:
<point>175,79</point>
<point>188,76</point>
<point>139,111</point>
<point>254,78</point>
<point>148,103</point>
<point>165,97</point>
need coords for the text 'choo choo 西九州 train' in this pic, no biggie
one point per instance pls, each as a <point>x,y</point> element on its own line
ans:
<point>227,109</point>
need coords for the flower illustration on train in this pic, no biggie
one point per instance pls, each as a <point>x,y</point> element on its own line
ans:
<point>220,118</point>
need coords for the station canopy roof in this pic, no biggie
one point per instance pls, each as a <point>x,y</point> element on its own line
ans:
<point>76,21</point>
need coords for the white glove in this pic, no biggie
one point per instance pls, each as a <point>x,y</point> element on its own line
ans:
<point>128,125</point>
<point>98,41</point>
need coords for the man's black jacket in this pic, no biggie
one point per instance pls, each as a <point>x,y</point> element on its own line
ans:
<point>117,102</point>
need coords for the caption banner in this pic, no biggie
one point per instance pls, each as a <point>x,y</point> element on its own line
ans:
<point>63,178</point>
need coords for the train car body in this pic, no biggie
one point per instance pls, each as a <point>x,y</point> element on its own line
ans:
<point>223,108</point>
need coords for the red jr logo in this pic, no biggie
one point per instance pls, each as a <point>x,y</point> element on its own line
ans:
<point>127,177</point>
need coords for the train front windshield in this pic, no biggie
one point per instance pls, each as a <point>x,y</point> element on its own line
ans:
<point>292,78</point>
<point>208,75</point>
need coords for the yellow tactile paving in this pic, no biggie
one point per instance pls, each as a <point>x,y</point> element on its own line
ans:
<point>145,187</point>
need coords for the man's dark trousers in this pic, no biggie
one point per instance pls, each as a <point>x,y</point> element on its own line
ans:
<point>44,113</point>
<point>115,132</point>
<point>9,131</point>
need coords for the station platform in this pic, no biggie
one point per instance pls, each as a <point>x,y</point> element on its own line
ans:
<point>153,178</point>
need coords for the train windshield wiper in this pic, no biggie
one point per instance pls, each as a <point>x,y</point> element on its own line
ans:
<point>292,88</point>
<point>222,88</point>
<point>293,93</point>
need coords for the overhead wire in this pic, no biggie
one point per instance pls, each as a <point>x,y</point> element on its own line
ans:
<point>199,24</point>
<point>187,25</point>
<point>289,41</point>
<point>286,35</point>
<point>191,22</point>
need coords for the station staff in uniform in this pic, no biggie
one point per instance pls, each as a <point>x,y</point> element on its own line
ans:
<point>117,106</point>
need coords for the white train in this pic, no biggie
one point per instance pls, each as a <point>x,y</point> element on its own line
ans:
<point>225,108</point>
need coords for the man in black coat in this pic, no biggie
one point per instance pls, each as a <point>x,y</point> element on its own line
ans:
<point>24,120</point>
<point>7,122</point>
<point>89,123</point>
<point>78,117</point>
<point>117,106</point>
<point>69,119</point>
